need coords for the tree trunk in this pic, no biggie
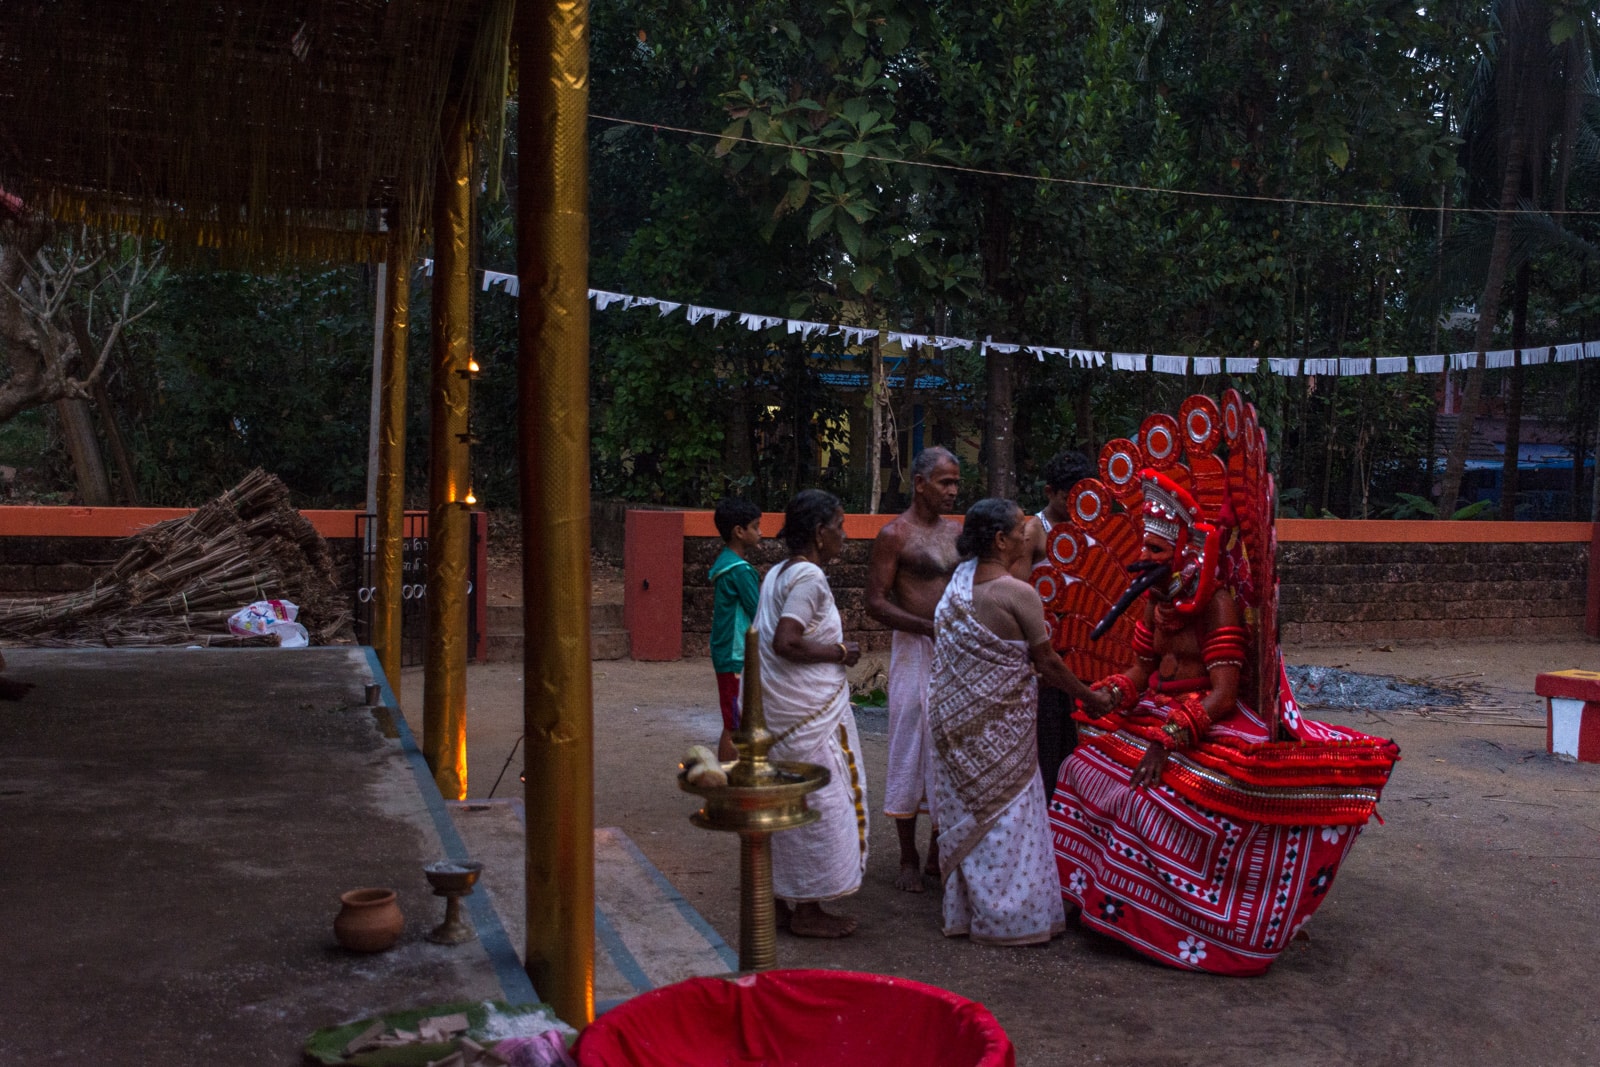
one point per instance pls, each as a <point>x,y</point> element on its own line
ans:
<point>77,430</point>
<point>1499,255</point>
<point>875,450</point>
<point>998,415</point>
<point>1087,442</point>
<point>910,367</point>
<point>127,484</point>
<point>129,487</point>
<point>1519,338</point>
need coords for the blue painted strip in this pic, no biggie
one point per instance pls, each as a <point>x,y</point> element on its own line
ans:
<point>514,981</point>
<point>692,917</point>
<point>611,941</point>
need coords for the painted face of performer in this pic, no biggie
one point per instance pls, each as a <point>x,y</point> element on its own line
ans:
<point>1157,550</point>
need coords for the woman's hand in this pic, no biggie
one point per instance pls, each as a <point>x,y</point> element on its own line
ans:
<point>852,653</point>
<point>1148,772</point>
<point>1098,703</point>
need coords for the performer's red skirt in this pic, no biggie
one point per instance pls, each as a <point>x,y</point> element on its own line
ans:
<point>1217,867</point>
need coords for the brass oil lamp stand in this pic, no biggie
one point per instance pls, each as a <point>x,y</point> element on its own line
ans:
<point>761,798</point>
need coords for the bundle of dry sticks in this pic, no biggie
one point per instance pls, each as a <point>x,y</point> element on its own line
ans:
<point>179,581</point>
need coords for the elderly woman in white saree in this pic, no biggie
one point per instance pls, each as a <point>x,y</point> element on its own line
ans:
<point>995,852</point>
<point>807,699</point>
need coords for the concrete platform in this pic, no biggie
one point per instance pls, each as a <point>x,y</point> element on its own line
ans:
<point>177,827</point>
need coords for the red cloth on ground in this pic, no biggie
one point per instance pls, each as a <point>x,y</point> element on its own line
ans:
<point>796,1018</point>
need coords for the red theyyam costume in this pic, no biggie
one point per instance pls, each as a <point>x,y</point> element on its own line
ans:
<point>1219,864</point>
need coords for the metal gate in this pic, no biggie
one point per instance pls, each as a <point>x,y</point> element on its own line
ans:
<point>414,585</point>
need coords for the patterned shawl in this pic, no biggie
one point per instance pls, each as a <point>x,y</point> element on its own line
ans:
<point>982,705</point>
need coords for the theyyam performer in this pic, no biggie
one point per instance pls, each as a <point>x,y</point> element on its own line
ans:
<point>1203,820</point>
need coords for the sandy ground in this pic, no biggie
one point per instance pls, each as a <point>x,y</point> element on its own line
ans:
<point>1461,931</point>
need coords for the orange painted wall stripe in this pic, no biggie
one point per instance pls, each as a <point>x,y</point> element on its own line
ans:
<point>1372,531</point>
<point>54,521</point>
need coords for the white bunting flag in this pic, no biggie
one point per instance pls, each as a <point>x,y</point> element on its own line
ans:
<point>1169,364</point>
<point>1321,366</point>
<point>694,314</point>
<point>856,335</point>
<point>1535,357</point>
<point>1568,353</point>
<point>1242,364</point>
<point>751,321</point>
<point>1128,361</point>
<point>1286,368</point>
<point>603,299</point>
<point>1463,360</point>
<point>1355,366</point>
<point>1500,358</point>
<point>1392,364</point>
<point>640,302</point>
<point>945,344</point>
<point>666,307</point>
<point>806,329</point>
<point>1207,365</point>
<point>908,341</point>
<point>1001,347</point>
<point>1592,350</point>
<point>1429,364</point>
<point>1040,351</point>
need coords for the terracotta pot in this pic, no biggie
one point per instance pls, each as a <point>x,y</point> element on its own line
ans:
<point>370,920</point>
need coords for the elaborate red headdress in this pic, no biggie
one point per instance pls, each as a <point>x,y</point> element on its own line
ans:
<point>1171,513</point>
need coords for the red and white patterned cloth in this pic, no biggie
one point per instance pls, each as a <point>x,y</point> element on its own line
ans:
<point>1217,867</point>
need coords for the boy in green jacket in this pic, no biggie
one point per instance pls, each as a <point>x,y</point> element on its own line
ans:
<point>734,591</point>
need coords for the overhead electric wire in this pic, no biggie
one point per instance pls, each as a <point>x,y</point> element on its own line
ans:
<point>1082,182</point>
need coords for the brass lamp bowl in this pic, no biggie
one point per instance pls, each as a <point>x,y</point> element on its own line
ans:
<point>775,800</point>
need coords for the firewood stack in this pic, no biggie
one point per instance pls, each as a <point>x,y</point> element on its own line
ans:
<point>179,581</point>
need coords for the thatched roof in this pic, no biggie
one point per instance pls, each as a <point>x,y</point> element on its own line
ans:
<point>268,129</point>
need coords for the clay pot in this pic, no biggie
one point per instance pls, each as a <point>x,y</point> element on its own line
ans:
<point>370,920</point>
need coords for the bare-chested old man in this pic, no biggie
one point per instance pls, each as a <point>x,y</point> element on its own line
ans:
<point>910,565</point>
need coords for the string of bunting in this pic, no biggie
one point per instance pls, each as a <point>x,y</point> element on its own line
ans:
<point>1087,357</point>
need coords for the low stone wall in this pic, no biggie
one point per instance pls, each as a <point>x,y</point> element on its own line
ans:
<point>45,565</point>
<point>1339,593</point>
<point>1332,593</point>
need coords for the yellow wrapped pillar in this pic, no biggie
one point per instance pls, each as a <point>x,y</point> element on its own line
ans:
<point>553,395</point>
<point>389,521</point>
<point>444,706</point>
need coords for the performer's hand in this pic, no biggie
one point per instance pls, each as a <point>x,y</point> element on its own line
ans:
<point>1148,772</point>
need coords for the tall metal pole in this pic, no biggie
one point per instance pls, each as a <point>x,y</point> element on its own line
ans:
<point>389,507</point>
<point>553,395</point>
<point>444,706</point>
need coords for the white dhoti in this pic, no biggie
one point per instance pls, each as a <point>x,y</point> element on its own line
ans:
<point>908,784</point>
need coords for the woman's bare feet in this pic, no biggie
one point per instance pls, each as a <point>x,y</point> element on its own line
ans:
<point>809,920</point>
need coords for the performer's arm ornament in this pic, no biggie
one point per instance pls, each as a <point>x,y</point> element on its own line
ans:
<point>1187,722</point>
<point>1144,643</point>
<point>1123,695</point>
<point>1225,647</point>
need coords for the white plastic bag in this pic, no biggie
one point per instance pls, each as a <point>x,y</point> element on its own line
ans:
<point>271,617</point>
